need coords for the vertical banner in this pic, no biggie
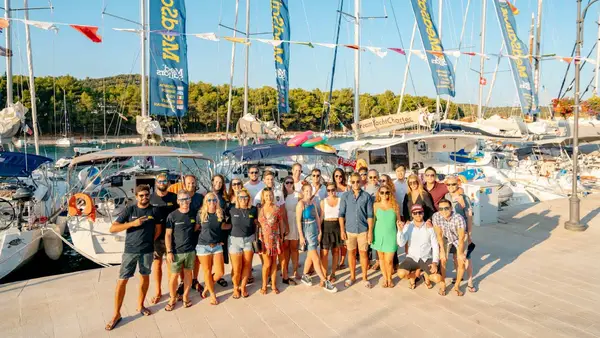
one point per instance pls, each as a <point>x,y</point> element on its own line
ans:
<point>168,58</point>
<point>439,64</point>
<point>520,66</point>
<point>281,31</point>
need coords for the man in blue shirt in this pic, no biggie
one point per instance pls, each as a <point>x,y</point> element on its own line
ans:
<point>356,223</point>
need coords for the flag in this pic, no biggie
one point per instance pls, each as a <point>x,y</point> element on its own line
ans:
<point>351,46</point>
<point>237,40</point>
<point>130,30</point>
<point>5,51</point>
<point>328,45</point>
<point>4,23</point>
<point>27,130</point>
<point>398,50</point>
<point>91,32</point>
<point>208,36</point>
<point>482,81</point>
<point>513,8</point>
<point>281,31</point>
<point>274,43</point>
<point>377,51</point>
<point>49,26</point>
<point>309,44</point>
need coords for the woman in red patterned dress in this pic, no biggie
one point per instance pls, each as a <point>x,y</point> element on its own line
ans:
<point>272,231</point>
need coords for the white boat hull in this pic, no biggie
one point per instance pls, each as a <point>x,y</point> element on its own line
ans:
<point>64,142</point>
<point>94,239</point>
<point>17,248</point>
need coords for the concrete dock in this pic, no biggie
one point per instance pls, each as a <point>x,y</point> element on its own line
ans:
<point>534,278</point>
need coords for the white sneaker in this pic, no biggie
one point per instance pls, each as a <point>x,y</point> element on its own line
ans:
<point>329,287</point>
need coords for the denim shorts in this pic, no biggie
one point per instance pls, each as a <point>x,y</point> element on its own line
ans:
<point>240,244</point>
<point>311,235</point>
<point>205,250</point>
<point>131,260</point>
<point>183,260</point>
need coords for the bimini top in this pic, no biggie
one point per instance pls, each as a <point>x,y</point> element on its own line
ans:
<point>259,152</point>
<point>445,140</point>
<point>14,164</point>
<point>123,154</point>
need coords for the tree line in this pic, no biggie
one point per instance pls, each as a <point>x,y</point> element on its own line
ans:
<point>87,100</point>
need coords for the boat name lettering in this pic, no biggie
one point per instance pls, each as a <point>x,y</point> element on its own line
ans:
<point>514,44</point>
<point>169,19</point>
<point>278,28</point>
<point>439,61</point>
<point>431,33</point>
<point>171,73</point>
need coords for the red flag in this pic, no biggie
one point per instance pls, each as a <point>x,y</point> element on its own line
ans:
<point>352,46</point>
<point>436,53</point>
<point>91,32</point>
<point>398,50</point>
<point>482,81</point>
<point>469,53</point>
<point>28,130</point>
<point>512,7</point>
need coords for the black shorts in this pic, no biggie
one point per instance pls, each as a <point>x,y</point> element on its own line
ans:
<point>410,265</point>
<point>331,236</point>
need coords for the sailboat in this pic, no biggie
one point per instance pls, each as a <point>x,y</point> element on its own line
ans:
<point>65,141</point>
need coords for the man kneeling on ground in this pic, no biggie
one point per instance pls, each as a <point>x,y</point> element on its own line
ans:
<point>423,250</point>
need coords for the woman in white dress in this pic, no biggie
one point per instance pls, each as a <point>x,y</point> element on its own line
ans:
<point>290,242</point>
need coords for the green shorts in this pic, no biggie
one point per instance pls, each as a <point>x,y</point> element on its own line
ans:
<point>183,260</point>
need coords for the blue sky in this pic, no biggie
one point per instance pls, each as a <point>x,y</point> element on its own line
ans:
<point>68,52</point>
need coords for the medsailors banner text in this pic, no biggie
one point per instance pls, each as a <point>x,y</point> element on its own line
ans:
<point>281,31</point>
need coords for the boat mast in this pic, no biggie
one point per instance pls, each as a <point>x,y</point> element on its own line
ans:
<point>65,112</point>
<point>31,82</point>
<point>412,41</point>
<point>531,36</point>
<point>356,63</point>
<point>247,70</point>
<point>441,6</point>
<point>482,59</point>
<point>538,52</point>
<point>143,72</point>
<point>325,121</point>
<point>9,80</point>
<point>597,58</point>
<point>237,5</point>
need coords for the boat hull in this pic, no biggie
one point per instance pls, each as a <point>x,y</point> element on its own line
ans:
<point>17,248</point>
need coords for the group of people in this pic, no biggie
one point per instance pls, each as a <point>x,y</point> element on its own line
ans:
<point>349,217</point>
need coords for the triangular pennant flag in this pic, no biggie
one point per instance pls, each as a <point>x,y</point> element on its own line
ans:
<point>398,50</point>
<point>482,81</point>
<point>5,52</point>
<point>454,53</point>
<point>419,54</point>
<point>208,36</point>
<point>167,32</point>
<point>91,32</point>
<point>377,51</point>
<point>567,60</point>
<point>42,25</point>
<point>469,53</point>
<point>274,43</point>
<point>328,45</point>
<point>512,7</point>
<point>4,23</point>
<point>436,53</point>
<point>352,46</point>
<point>309,44</point>
<point>129,30</point>
<point>237,40</point>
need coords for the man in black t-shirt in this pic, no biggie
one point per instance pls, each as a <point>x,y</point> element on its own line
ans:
<point>142,227</point>
<point>181,243</point>
<point>190,184</point>
<point>166,202</point>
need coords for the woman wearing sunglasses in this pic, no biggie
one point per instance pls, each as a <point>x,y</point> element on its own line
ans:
<point>308,220</point>
<point>332,235</point>
<point>235,186</point>
<point>220,191</point>
<point>290,242</point>
<point>417,195</point>
<point>271,231</point>
<point>387,221</point>
<point>244,221</point>
<point>210,243</point>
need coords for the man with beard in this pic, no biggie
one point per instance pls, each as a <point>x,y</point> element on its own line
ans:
<point>254,185</point>
<point>140,222</point>
<point>166,202</point>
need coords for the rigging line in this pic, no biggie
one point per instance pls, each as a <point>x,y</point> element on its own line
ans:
<point>325,116</point>
<point>580,68</point>
<point>402,46</point>
<point>310,37</point>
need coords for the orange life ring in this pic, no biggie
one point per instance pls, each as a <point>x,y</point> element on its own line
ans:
<point>88,209</point>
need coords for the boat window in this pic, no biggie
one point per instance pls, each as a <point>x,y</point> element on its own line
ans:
<point>378,156</point>
<point>399,155</point>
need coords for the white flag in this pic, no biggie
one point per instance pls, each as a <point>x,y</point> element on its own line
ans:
<point>419,54</point>
<point>42,25</point>
<point>454,53</point>
<point>130,30</point>
<point>328,45</point>
<point>208,36</point>
<point>377,51</point>
<point>274,43</point>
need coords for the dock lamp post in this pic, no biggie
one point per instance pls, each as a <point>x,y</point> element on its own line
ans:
<point>574,222</point>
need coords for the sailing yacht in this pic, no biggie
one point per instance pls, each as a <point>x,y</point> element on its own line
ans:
<point>65,141</point>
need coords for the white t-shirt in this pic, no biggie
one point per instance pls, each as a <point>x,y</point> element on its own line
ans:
<point>298,185</point>
<point>279,200</point>
<point>254,189</point>
<point>290,206</point>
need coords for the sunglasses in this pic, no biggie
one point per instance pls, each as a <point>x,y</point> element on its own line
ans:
<point>330,190</point>
<point>386,193</point>
<point>355,182</point>
<point>316,175</point>
<point>212,200</point>
<point>162,182</point>
<point>187,199</point>
<point>413,182</point>
<point>372,177</point>
<point>253,172</point>
<point>338,176</point>
<point>418,213</point>
<point>143,195</point>
<point>289,182</point>
<point>267,189</point>
<point>384,181</point>
<point>243,197</point>
<point>444,208</point>
<point>236,184</point>
<point>452,184</point>
<point>429,175</point>
<point>363,174</point>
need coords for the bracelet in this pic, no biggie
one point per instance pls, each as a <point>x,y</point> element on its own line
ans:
<point>170,252</point>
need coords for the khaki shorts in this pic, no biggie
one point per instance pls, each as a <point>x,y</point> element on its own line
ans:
<point>355,241</point>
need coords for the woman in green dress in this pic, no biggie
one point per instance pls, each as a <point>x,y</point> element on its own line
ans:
<point>387,218</point>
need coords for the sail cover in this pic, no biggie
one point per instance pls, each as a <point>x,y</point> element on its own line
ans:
<point>281,31</point>
<point>520,65</point>
<point>441,68</point>
<point>168,58</point>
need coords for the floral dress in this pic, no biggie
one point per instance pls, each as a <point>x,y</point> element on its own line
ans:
<point>270,233</point>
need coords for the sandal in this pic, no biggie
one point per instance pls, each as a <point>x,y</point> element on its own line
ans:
<point>170,306</point>
<point>442,291</point>
<point>471,288</point>
<point>214,301</point>
<point>368,284</point>
<point>263,291</point>
<point>391,284</point>
<point>332,278</point>
<point>384,285</point>
<point>348,283</point>
<point>154,300</point>
<point>144,311</point>
<point>275,290</point>
<point>187,303</point>
<point>236,294</point>
<point>289,281</point>
<point>458,292</point>
<point>375,266</point>
<point>113,324</point>
<point>245,293</point>
<point>222,282</point>
<point>412,285</point>
<point>250,280</point>
<point>204,294</point>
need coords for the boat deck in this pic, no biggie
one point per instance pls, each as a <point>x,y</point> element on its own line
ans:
<point>534,277</point>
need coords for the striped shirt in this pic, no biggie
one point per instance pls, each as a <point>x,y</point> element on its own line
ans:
<point>450,226</point>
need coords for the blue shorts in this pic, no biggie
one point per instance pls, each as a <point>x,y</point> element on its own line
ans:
<point>238,245</point>
<point>131,260</point>
<point>205,250</point>
<point>311,235</point>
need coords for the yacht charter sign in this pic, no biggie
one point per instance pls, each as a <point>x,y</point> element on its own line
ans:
<point>386,124</point>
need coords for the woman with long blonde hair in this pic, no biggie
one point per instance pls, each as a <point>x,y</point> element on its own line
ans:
<point>210,243</point>
<point>272,231</point>
<point>387,223</point>
<point>417,195</point>
<point>243,233</point>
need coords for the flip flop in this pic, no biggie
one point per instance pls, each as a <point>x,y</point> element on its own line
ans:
<point>275,290</point>
<point>113,324</point>
<point>391,285</point>
<point>187,303</point>
<point>412,286</point>
<point>458,292</point>
<point>170,307</point>
<point>348,283</point>
<point>368,284</point>
<point>236,295</point>
<point>245,294</point>
<point>263,291</point>
<point>332,278</point>
<point>155,300</point>
<point>442,291</point>
<point>145,311</point>
<point>471,288</point>
<point>222,282</point>
<point>214,301</point>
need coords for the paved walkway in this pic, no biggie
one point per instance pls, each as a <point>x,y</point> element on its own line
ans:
<point>535,279</point>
